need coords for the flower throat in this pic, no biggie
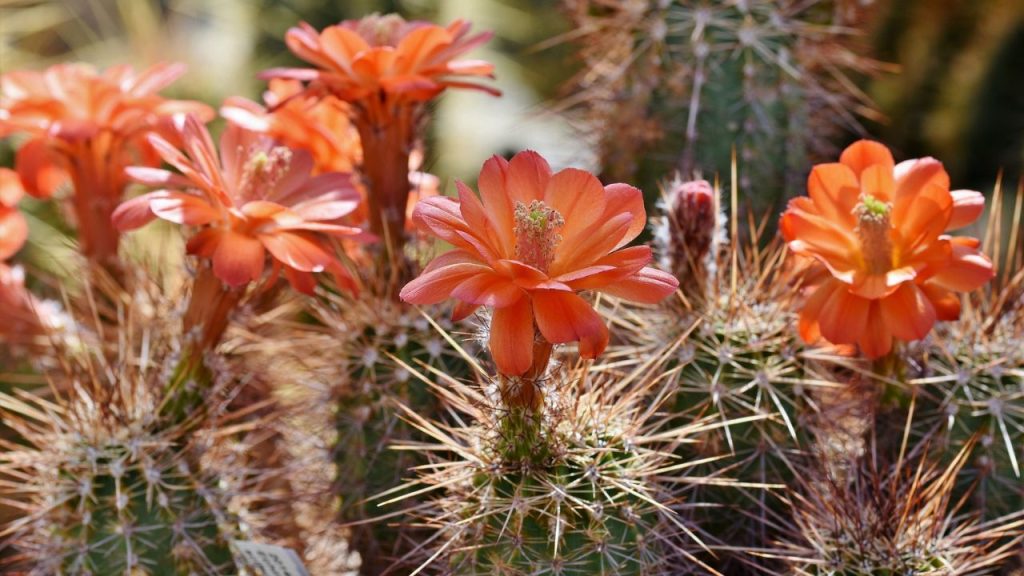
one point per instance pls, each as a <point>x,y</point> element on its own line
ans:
<point>537,229</point>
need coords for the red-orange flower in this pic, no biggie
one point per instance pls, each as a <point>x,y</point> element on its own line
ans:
<point>879,229</point>
<point>256,197</point>
<point>380,62</point>
<point>527,247</point>
<point>87,126</point>
<point>13,228</point>
<point>386,69</point>
<point>320,126</point>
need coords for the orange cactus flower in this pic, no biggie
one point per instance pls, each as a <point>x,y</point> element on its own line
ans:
<point>386,69</point>
<point>528,246</point>
<point>87,126</point>
<point>380,62</point>
<point>256,197</point>
<point>878,228</point>
<point>13,228</point>
<point>321,126</point>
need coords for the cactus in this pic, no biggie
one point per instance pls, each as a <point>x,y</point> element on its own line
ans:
<point>733,354</point>
<point>585,485</point>
<point>972,380</point>
<point>107,486</point>
<point>871,519</point>
<point>346,375</point>
<point>770,78</point>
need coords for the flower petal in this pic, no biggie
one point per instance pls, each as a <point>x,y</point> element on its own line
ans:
<point>908,314</point>
<point>844,317</point>
<point>579,197</point>
<point>969,269</point>
<point>621,199</point>
<point>41,169</point>
<point>565,317</point>
<point>511,340</point>
<point>13,232</point>
<point>967,207</point>
<point>238,258</point>
<point>945,302</point>
<point>488,289</point>
<point>299,250</point>
<point>877,339</point>
<point>649,286</point>
<point>497,202</point>
<point>835,191</point>
<point>810,329</point>
<point>864,153</point>
<point>436,285</point>
<point>11,189</point>
<point>527,177</point>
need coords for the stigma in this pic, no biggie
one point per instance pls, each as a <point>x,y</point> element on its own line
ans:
<point>537,228</point>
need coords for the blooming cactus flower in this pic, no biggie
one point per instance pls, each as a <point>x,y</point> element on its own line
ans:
<point>879,228</point>
<point>257,197</point>
<point>13,228</point>
<point>321,126</point>
<point>86,126</point>
<point>386,69</point>
<point>380,61</point>
<point>528,246</point>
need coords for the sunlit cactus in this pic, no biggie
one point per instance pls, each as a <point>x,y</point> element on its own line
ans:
<point>671,84</point>
<point>903,518</point>
<point>971,377</point>
<point>585,485</point>
<point>733,354</point>
<point>107,486</point>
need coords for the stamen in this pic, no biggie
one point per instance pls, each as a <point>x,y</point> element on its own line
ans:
<point>264,170</point>
<point>874,229</point>
<point>380,30</point>
<point>536,230</point>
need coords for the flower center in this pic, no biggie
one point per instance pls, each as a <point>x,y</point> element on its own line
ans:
<point>874,229</point>
<point>536,229</point>
<point>380,30</point>
<point>264,170</point>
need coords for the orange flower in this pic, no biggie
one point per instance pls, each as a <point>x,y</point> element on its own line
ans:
<point>380,62</point>
<point>320,126</point>
<point>87,126</point>
<point>534,241</point>
<point>386,69</point>
<point>878,228</point>
<point>300,121</point>
<point>13,228</point>
<point>256,198</point>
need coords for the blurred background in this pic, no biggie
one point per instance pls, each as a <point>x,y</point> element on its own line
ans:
<point>947,78</point>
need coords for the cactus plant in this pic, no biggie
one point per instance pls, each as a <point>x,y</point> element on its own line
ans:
<point>586,485</point>
<point>107,486</point>
<point>772,79</point>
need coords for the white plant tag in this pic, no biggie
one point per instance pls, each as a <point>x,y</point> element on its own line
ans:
<point>268,560</point>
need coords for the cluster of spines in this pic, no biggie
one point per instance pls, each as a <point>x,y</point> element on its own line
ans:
<point>702,77</point>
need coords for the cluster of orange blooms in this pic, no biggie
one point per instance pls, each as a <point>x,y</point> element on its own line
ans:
<point>289,176</point>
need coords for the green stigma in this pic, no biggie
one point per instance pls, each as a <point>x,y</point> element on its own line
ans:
<point>873,207</point>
